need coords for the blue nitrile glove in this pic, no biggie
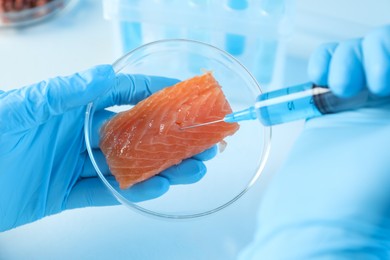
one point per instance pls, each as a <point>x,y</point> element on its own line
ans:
<point>331,199</point>
<point>44,165</point>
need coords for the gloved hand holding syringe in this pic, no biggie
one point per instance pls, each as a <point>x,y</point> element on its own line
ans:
<point>302,101</point>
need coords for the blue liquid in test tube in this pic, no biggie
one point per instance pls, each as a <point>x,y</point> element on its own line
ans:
<point>265,58</point>
<point>196,63</point>
<point>235,44</point>
<point>131,33</point>
<point>200,34</point>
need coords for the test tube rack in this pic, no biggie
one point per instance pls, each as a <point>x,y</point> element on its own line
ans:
<point>251,30</point>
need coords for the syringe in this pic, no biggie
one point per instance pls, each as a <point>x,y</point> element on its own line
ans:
<point>299,102</point>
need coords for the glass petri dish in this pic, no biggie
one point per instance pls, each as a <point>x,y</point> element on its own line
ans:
<point>231,172</point>
<point>15,13</point>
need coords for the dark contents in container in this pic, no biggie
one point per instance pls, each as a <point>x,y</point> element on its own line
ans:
<point>15,13</point>
<point>19,5</point>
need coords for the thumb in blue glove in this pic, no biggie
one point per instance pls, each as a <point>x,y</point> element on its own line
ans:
<point>45,166</point>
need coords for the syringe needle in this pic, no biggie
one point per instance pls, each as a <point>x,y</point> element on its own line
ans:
<point>203,124</point>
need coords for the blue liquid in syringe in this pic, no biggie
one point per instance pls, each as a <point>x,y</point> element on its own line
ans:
<point>281,106</point>
<point>301,102</point>
<point>304,107</point>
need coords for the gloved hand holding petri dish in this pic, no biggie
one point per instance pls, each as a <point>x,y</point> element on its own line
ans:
<point>143,140</point>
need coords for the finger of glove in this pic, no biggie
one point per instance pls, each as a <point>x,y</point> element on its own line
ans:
<point>99,119</point>
<point>346,74</point>
<point>207,154</point>
<point>34,105</point>
<point>91,192</point>
<point>187,172</point>
<point>100,159</point>
<point>130,89</point>
<point>376,51</point>
<point>318,68</point>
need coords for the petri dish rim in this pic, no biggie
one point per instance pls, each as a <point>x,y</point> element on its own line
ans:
<point>120,64</point>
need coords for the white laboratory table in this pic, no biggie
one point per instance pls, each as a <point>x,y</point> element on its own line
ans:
<point>76,40</point>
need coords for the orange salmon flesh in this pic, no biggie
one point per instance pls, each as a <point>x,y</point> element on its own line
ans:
<point>147,139</point>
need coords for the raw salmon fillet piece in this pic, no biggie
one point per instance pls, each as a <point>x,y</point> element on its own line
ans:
<point>147,139</point>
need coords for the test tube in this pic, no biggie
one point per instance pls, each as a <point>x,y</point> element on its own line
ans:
<point>272,7</point>
<point>203,7</point>
<point>131,32</point>
<point>196,63</point>
<point>234,43</point>
<point>268,46</point>
<point>264,60</point>
<point>164,10</point>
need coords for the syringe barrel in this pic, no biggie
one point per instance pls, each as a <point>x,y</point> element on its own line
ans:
<point>316,103</point>
<point>287,111</point>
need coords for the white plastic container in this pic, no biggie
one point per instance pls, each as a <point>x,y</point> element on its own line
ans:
<point>254,31</point>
